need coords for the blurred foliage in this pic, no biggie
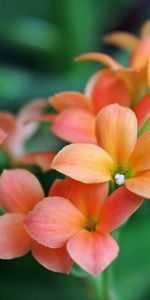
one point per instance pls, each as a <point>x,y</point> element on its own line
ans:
<point>38,41</point>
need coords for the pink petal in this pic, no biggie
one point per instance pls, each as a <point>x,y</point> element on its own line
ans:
<point>15,241</point>
<point>84,162</point>
<point>70,99</point>
<point>93,251</point>
<point>140,184</point>
<point>3,135</point>
<point>142,110</point>
<point>118,207</point>
<point>75,125</point>
<point>7,123</point>
<point>56,260</point>
<point>88,198</point>
<point>19,190</point>
<point>53,221</point>
<point>40,159</point>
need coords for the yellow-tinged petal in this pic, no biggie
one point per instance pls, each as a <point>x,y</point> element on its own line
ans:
<point>145,30</point>
<point>122,39</point>
<point>140,184</point>
<point>84,162</point>
<point>141,55</point>
<point>140,158</point>
<point>116,131</point>
<point>101,58</point>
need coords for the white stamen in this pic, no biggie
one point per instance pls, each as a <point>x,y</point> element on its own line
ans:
<point>120,179</point>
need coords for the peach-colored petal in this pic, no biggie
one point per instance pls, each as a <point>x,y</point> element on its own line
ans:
<point>84,162</point>
<point>141,55</point>
<point>7,123</point>
<point>145,30</point>
<point>122,39</point>
<point>70,99</point>
<point>43,118</point>
<point>93,251</point>
<point>15,241</point>
<point>75,125</point>
<point>142,110</point>
<point>109,89</point>
<point>53,221</point>
<point>100,57</point>
<point>118,207</point>
<point>56,260</point>
<point>116,130</point>
<point>140,184</point>
<point>40,159</point>
<point>140,158</point>
<point>3,135</point>
<point>19,190</point>
<point>88,198</point>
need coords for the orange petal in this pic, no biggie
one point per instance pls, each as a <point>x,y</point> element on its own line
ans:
<point>75,125</point>
<point>101,58</point>
<point>140,184</point>
<point>7,123</point>
<point>109,89</point>
<point>142,110</point>
<point>141,55</point>
<point>122,39</point>
<point>88,198</point>
<point>15,241</point>
<point>116,130</point>
<point>145,30</point>
<point>84,162</point>
<point>118,207</point>
<point>19,190</point>
<point>40,159</point>
<point>56,260</point>
<point>3,135</point>
<point>70,99</point>
<point>53,221</point>
<point>140,158</point>
<point>93,251</point>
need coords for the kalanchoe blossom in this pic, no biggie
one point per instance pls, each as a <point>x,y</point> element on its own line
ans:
<point>119,152</point>
<point>139,47</point>
<point>3,135</point>
<point>82,216</point>
<point>19,131</point>
<point>20,191</point>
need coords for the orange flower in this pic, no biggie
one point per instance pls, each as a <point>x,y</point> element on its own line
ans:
<point>20,191</point>
<point>3,135</point>
<point>81,216</point>
<point>19,131</point>
<point>120,157</point>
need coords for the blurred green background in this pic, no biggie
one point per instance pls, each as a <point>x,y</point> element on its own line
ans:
<point>38,41</point>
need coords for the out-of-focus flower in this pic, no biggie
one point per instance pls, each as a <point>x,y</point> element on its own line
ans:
<point>19,131</point>
<point>3,135</point>
<point>81,216</point>
<point>139,47</point>
<point>20,191</point>
<point>120,157</point>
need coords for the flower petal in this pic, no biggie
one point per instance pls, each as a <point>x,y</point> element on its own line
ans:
<point>140,184</point>
<point>142,110</point>
<point>140,158</point>
<point>93,251</point>
<point>88,198</point>
<point>116,130</point>
<point>122,39</point>
<point>7,123</point>
<point>118,207</point>
<point>19,190</point>
<point>40,159</point>
<point>75,125</point>
<point>109,89</point>
<point>70,99</point>
<point>84,162</point>
<point>99,57</point>
<point>141,54</point>
<point>3,135</point>
<point>56,260</point>
<point>15,241</point>
<point>53,221</point>
<point>145,30</point>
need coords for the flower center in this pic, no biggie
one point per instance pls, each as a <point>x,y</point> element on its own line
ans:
<point>91,224</point>
<point>119,179</point>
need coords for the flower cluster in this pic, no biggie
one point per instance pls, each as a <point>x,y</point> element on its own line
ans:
<point>107,166</point>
